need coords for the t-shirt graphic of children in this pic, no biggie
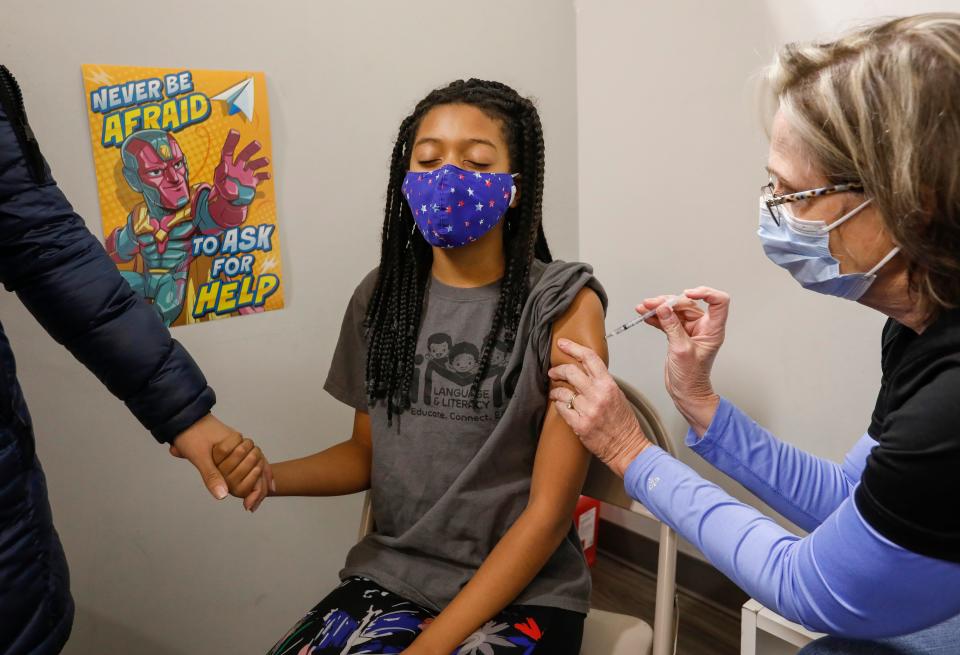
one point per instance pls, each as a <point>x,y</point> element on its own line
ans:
<point>458,363</point>
<point>439,345</point>
<point>463,361</point>
<point>440,361</point>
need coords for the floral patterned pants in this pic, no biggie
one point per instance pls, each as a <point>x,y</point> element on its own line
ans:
<point>359,616</point>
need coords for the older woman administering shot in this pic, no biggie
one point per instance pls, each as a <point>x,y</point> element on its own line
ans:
<point>863,204</point>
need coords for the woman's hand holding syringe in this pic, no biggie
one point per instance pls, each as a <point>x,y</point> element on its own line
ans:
<point>684,307</point>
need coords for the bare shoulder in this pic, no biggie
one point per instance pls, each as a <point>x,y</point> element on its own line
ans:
<point>582,323</point>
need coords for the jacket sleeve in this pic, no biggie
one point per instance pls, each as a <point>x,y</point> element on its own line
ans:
<point>64,277</point>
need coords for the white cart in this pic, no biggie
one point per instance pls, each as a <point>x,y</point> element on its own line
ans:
<point>755,618</point>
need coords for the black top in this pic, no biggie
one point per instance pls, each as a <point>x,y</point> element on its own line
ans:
<point>910,490</point>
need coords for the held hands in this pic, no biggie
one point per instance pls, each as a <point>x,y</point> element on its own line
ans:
<point>245,469</point>
<point>197,443</point>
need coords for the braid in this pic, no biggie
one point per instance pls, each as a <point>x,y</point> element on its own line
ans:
<point>393,315</point>
<point>521,249</point>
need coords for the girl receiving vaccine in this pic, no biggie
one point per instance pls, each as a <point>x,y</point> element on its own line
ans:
<point>443,355</point>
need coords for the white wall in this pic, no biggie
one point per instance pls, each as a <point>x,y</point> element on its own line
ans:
<point>159,567</point>
<point>671,162</point>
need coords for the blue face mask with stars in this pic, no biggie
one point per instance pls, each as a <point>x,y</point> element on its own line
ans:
<point>454,207</point>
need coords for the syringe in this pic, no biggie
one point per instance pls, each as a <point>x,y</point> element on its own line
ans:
<point>671,301</point>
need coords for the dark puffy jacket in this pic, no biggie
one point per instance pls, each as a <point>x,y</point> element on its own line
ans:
<point>63,276</point>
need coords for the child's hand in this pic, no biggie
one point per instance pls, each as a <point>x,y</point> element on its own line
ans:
<point>243,466</point>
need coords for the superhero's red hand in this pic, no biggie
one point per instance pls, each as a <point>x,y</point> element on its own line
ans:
<point>236,180</point>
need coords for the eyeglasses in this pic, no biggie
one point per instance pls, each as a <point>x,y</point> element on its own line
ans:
<point>773,200</point>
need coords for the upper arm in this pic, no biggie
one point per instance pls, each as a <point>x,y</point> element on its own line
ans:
<point>561,462</point>
<point>361,429</point>
<point>583,324</point>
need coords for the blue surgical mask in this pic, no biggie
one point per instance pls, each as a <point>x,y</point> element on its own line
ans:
<point>803,249</point>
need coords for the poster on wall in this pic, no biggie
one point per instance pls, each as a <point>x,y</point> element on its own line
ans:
<point>183,165</point>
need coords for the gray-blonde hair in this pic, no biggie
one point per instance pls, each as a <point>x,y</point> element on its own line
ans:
<point>881,106</point>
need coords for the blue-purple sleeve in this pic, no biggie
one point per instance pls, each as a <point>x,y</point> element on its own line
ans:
<point>801,487</point>
<point>843,579</point>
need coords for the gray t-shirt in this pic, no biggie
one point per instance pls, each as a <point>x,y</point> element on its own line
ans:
<point>448,481</point>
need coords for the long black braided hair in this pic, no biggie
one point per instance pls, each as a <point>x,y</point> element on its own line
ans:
<point>392,322</point>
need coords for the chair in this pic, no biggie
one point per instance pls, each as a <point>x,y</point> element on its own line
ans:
<point>755,618</point>
<point>608,633</point>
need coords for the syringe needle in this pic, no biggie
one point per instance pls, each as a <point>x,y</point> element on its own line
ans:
<point>673,300</point>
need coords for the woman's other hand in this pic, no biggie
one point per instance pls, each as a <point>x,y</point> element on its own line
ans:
<point>596,409</point>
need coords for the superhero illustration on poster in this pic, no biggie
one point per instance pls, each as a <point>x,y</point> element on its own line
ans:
<point>186,190</point>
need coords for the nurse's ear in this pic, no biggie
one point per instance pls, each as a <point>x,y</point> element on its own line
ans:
<point>515,191</point>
